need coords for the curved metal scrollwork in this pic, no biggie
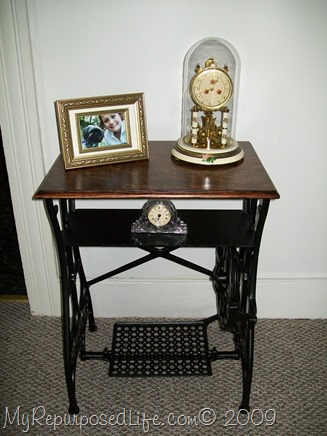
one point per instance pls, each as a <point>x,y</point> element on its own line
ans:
<point>77,304</point>
<point>226,282</point>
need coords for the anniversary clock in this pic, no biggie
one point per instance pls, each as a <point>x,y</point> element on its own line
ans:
<point>211,69</point>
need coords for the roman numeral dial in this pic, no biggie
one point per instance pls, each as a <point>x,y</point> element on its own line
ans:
<point>159,215</point>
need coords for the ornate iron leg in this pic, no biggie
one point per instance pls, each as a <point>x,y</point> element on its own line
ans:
<point>257,216</point>
<point>234,281</point>
<point>247,350</point>
<point>76,307</point>
<point>226,282</point>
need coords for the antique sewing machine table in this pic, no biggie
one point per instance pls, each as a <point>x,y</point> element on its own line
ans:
<point>161,349</point>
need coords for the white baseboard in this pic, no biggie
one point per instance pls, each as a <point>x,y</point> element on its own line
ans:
<point>292,298</point>
<point>276,298</point>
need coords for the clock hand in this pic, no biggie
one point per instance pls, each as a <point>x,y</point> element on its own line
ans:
<point>204,90</point>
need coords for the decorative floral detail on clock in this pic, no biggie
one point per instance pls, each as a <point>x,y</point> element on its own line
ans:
<point>208,158</point>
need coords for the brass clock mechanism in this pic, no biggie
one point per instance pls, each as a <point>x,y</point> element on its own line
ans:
<point>208,141</point>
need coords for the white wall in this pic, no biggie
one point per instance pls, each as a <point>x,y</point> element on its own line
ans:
<point>82,48</point>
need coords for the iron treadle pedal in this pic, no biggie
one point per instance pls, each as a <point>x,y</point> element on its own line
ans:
<point>160,349</point>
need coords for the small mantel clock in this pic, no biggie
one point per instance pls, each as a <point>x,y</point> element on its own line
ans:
<point>209,105</point>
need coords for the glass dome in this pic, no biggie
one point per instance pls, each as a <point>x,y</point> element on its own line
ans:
<point>224,54</point>
<point>211,68</point>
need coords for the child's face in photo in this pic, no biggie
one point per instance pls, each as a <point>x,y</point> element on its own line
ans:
<point>112,121</point>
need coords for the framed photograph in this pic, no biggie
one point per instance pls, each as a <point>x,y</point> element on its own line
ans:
<point>102,130</point>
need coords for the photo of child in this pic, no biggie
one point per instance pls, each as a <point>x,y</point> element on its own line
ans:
<point>102,130</point>
<point>113,125</point>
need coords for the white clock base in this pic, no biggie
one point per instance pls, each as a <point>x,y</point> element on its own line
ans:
<point>205,156</point>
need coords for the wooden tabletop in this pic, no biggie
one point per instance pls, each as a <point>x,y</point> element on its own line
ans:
<point>162,176</point>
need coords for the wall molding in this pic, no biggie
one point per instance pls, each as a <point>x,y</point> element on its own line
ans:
<point>23,152</point>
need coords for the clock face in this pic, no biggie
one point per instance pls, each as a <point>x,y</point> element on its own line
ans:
<point>211,88</point>
<point>159,215</point>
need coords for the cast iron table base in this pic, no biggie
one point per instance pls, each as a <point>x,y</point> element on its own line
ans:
<point>177,348</point>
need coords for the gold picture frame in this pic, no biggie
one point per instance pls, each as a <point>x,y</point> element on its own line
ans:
<point>102,130</point>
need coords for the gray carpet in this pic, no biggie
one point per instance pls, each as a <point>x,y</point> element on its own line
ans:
<point>290,377</point>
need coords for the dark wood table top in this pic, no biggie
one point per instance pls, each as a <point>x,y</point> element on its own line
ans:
<point>162,176</point>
